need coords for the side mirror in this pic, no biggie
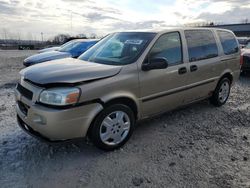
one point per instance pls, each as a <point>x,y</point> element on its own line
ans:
<point>156,63</point>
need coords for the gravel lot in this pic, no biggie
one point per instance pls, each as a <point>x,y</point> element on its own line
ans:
<point>196,146</point>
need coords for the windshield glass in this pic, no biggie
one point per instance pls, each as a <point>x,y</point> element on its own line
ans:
<point>65,44</point>
<point>118,48</point>
<point>72,46</point>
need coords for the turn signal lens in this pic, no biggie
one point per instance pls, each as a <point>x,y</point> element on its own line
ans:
<point>60,96</point>
<point>72,98</point>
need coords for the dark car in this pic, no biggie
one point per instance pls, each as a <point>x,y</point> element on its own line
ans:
<point>74,49</point>
<point>243,41</point>
<point>245,61</point>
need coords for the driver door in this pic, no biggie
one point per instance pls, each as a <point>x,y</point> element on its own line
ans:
<point>163,89</point>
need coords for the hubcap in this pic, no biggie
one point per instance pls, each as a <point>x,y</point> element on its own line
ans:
<point>115,128</point>
<point>224,92</point>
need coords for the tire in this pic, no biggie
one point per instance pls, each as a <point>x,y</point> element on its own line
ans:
<point>221,93</point>
<point>113,127</point>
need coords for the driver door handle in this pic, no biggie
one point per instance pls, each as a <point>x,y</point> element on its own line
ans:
<point>182,70</point>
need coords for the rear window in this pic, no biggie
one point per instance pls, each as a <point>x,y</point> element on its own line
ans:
<point>228,41</point>
<point>201,45</point>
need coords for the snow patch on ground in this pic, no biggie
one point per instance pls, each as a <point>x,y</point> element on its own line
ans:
<point>196,146</point>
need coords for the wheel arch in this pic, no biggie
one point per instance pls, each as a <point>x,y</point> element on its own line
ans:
<point>126,100</point>
<point>228,75</point>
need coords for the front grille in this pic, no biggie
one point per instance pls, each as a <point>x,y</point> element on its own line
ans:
<point>24,108</point>
<point>25,92</point>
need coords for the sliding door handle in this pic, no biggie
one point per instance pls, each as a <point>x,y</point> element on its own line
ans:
<point>193,68</point>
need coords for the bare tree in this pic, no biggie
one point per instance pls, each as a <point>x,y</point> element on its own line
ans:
<point>5,34</point>
<point>245,21</point>
<point>61,38</point>
<point>83,36</point>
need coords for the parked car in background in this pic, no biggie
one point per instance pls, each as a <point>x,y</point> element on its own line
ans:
<point>26,47</point>
<point>126,77</point>
<point>72,49</point>
<point>243,41</point>
<point>54,48</point>
<point>245,59</point>
<point>48,49</point>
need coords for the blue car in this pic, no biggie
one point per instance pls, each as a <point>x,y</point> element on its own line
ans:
<point>49,49</point>
<point>73,49</point>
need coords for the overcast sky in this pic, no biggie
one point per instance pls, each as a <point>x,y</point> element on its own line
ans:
<point>28,18</point>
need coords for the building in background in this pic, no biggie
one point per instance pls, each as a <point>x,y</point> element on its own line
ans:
<point>240,30</point>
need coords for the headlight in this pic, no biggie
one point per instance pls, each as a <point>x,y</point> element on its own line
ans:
<point>60,96</point>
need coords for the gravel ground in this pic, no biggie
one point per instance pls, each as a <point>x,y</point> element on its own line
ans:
<point>196,146</point>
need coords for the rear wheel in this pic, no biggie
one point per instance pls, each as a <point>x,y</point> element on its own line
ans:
<point>112,127</point>
<point>221,92</point>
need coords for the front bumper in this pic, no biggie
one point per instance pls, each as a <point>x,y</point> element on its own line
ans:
<point>54,124</point>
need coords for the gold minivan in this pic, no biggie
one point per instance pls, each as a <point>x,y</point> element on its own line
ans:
<point>126,77</point>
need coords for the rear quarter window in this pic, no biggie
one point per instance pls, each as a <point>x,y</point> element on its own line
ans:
<point>201,44</point>
<point>228,42</point>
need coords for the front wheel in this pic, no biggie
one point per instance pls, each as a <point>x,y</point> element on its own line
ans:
<point>221,92</point>
<point>112,127</point>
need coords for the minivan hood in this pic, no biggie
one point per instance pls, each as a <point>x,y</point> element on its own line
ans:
<point>46,56</point>
<point>68,71</point>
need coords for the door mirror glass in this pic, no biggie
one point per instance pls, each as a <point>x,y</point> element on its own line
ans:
<point>155,63</point>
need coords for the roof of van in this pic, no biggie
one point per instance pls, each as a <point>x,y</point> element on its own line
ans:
<point>85,40</point>
<point>175,29</point>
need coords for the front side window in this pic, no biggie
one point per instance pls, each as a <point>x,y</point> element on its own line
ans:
<point>201,45</point>
<point>119,48</point>
<point>228,41</point>
<point>168,46</point>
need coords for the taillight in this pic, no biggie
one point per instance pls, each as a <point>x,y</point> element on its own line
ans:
<point>241,59</point>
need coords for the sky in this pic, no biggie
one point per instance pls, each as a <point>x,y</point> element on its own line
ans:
<point>27,19</point>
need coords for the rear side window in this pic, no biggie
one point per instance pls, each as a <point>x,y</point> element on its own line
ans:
<point>228,41</point>
<point>201,45</point>
<point>168,46</point>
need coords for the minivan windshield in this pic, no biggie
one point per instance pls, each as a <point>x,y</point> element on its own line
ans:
<point>119,48</point>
